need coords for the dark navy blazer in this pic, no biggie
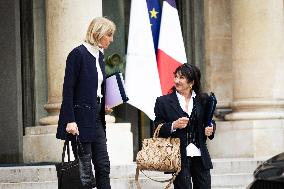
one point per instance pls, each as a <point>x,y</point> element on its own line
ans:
<point>79,97</point>
<point>167,109</point>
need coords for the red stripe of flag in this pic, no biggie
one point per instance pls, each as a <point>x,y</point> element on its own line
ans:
<point>166,68</point>
<point>171,51</point>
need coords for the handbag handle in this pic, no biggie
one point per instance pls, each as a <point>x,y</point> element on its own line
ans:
<point>66,145</point>
<point>157,131</point>
<point>79,146</point>
<point>170,181</point>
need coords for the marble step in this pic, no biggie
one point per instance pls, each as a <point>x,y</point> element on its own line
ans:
<point>223,182</point>
<point>227,173</point>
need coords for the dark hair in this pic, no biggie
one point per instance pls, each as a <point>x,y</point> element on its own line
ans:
<point>191,73</point>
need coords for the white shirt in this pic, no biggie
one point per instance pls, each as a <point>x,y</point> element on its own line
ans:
<point>95,51</point>
<point>191,149</point>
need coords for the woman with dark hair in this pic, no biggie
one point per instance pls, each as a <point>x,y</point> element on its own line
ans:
<point>182,113</point>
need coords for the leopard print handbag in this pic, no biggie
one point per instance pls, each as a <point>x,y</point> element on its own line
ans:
<point>159,154</point>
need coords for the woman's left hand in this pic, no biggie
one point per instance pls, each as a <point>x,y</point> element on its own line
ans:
<point>108,110</point>
<point>208,131</point>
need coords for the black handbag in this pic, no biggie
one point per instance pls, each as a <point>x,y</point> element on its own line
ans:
<point>75,174</point>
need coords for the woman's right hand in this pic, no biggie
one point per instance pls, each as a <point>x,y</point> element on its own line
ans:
<point>72,128</point>
<point>180,123</point>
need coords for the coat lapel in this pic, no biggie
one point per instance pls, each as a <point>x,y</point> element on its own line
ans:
<point>174,103</point>
<point>102,65</point>
<point>199,111</point>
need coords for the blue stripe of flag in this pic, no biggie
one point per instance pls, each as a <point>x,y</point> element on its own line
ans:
<point>155,12</point>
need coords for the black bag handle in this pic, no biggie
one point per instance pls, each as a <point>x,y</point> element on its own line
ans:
<point>79,146</point>
<point>66,145</point>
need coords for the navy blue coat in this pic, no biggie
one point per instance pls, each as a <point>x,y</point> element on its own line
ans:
<point>167,109</point>
<point>79,97</point>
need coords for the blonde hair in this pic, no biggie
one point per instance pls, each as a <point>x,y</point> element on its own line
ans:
<point>99,27</point>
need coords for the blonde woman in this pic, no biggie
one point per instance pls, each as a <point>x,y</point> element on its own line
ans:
<point>83,109</point>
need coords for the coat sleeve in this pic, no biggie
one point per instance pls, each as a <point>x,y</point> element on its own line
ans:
<point>160,117</point>
<point>72,71</point>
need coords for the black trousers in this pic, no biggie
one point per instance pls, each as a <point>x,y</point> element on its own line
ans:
<point>193,175</point>
<point>100,158</point>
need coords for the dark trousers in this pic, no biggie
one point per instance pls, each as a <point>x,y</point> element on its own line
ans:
<point>100,158</point>
<point>193,175</point>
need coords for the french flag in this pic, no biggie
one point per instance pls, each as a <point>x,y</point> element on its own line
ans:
<point>155,49</point>
<point>171,51</point>
<point>142,82</point>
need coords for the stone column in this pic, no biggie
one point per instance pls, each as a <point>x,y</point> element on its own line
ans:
<point>258,56</point>
<point>255,127</point>
<point>218,54</point>
<point>66,26</point>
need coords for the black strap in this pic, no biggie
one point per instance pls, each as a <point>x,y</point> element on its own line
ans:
<point>121,88</point>
<point>79,146</point>
<point>66,146</point>
<point>68,151</point>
